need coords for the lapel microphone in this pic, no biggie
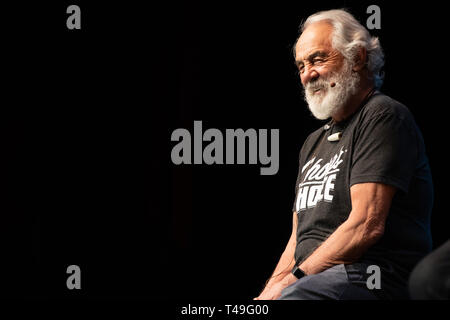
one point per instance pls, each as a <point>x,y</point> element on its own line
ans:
<point>335,137</point>
<point>332,137</point>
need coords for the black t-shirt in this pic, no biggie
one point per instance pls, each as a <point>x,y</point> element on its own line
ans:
<point>380,143</point>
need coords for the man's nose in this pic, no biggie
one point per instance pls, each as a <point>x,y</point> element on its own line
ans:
<point>308,74</point>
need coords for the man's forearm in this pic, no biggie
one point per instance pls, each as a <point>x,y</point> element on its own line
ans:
<point>282,275</point>
<point>345,245</point>
<point>284,266</point>
<point>287,260</point>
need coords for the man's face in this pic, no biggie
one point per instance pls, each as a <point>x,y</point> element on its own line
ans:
<point>315,56</point>
<point>319,65</point>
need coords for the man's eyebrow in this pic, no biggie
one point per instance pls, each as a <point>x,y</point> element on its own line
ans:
<point>311,57</point>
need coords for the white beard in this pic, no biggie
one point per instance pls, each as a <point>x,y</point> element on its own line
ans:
<point>329,100</point>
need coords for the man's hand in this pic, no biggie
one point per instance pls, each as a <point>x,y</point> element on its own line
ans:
<point>274,291</point>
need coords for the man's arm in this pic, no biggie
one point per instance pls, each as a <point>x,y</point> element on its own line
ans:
<point>363,228</point>
<point>285,264</point>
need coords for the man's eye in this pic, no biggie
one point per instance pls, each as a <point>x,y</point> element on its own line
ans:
<point>317,60</point>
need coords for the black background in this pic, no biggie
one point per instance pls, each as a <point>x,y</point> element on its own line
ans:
<point>86,175</point>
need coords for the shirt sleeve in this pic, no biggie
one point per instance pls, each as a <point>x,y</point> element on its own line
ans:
<point>386,151</point>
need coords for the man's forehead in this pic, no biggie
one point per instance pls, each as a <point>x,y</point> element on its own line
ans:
<point>316,37</point>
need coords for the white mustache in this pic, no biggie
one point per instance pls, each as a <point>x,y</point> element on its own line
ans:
<point>316,85</point>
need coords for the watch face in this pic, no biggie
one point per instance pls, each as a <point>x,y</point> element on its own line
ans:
<point>298,272</point>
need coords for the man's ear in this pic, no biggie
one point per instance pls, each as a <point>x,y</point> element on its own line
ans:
<point>360,59</point>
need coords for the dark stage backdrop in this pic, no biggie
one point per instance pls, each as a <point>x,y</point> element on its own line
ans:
<point>86,123</point>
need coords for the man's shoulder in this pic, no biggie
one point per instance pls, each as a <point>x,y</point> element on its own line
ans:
<point>381,105</point>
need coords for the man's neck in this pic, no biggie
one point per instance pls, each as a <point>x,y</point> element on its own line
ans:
<point>354,104</point>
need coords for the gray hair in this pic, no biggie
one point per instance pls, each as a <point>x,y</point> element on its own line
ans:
<point>348,36</point>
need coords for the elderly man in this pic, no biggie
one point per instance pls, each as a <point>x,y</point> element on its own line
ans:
<point>364,192</point>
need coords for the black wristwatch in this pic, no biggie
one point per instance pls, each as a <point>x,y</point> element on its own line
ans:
<point>298,273</point>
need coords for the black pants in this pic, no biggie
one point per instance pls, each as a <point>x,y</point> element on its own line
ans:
<point>430,279</point>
